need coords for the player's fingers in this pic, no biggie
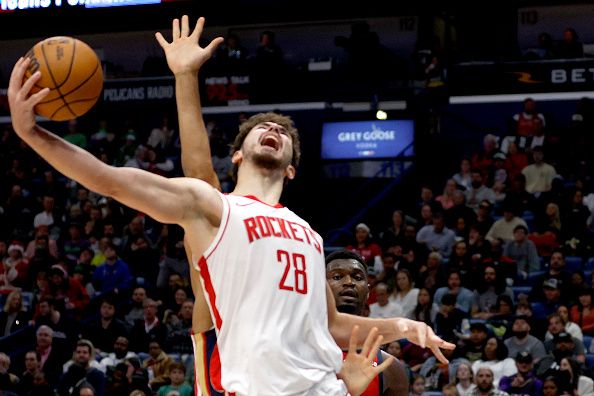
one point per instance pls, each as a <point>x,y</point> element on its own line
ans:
<point>185,26</point>
<point>353,339</point>
<point>198,28</point>
<point>439,355</point>
<point>422,336</point>
<point>433,339</point>
<point>16,77</point>
<point>368,344</point>
<point>376,346</point>
<point>175,29</point>
<point>385,364</point>
<point>214,44</point>
<point>39,96</point>
<point>161,40</point>
<point>26,88</point>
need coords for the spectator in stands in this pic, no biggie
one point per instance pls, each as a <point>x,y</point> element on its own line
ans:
<point>522,340</point>
<point>463,178</point>
<point>14,273</point>
<point>425,311</point>
<point>472,348</point>
<point>158,365</point>
<point>503,316</point>
<point>583,313</point>
<point>464,297</point>
<point>135,310</point>
<point>427,198</point>
<point>523,252</point>
<point>478,192</point>
<point>436,237</point>
<point>460,261</point>
<point>53,354</point>
<point>432,275</point>
<point>179,329</point>
<point>82,366</point>
<point>528,122</point>
<point>8,381</point>
<point>446,199</point>
<point>516,160</point>
<point>547,233</point>
<point>484,384</point>
<point>383,307</point>
<point>495,357</point>
<point>178,383</point>
<point>551,386</point>
<point>269,66</point>
<point>119,355</point>
<point>504,227</point>
<point>459,212</point>
<point>47,216</point>
<point>366,248</point>
<point>464,379</point>
<point>174,260</point>
<point>41,241</point>
<point>67,292</point>
<point>14,316</point>
<point>49,315</point>
<point>574,228</point>
<point>231,56</point>
<point>448,320</point>
<point>75,243</point>
<point>539,175</point>
<point>148,329</point>
<point>570,46</point>
<point>551,289</point>
<point>405,295</point>
<point>556,271</point>
<point>490,286</point>
<point>524,382</point>
<point>32,367</point>
<point>581,384</point>
<point>578,282</point>
<point>555,327</point>
<point>394,234</point>
<point>425,215</point>
<point>483,160</point>
<point>106,329</point>
<point>568,325</point>
<point>113,276</point>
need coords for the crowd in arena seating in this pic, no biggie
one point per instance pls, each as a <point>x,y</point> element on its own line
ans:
<point>96,296</point>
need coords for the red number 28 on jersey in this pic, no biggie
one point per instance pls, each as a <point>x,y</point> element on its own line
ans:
<point>298,282</point>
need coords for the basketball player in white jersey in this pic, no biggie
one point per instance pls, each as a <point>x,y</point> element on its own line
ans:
<point>270,304</point>
<point>180,52</point>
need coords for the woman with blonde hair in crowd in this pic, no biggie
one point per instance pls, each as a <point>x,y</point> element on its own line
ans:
<point>405,295</point>
<point>14,316</point>
<point>447,198</point>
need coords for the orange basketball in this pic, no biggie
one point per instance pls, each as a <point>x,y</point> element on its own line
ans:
<point>72,72</point>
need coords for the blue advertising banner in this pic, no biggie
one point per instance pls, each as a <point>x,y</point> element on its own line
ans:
<point>367,139</point>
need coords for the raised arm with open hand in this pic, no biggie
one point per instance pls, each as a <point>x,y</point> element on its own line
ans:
<point>185,57</point>
<point>358,369</point>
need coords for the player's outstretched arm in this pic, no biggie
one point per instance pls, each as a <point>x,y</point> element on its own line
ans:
<point>185,57</point>
<point>391,329</point>
<point>138,189</point>
<point>358,369</point>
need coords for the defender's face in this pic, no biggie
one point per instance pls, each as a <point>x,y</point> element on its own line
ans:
<point>348,281</point>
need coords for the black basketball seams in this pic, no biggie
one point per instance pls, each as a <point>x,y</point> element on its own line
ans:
<point>71,103</point>
<point>56,86</point>
<point>97,67</point>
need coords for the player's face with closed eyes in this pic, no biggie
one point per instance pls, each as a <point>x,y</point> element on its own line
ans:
<point>348,281</point>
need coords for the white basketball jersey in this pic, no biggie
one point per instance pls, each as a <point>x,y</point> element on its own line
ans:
<point>265,279</point>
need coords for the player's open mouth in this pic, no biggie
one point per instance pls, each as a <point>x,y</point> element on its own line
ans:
<point>270,141</point>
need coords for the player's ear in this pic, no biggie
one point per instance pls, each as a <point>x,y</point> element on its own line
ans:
<point>290,172</point>
<point>237,157</point>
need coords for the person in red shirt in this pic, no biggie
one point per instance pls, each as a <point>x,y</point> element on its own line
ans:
<point>583,312</point>
<point>366,248</point>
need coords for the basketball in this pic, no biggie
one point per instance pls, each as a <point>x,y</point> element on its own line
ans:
<point>72,72</point>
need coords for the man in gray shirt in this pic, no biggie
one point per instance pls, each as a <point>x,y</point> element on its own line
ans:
<point>523,341</point>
